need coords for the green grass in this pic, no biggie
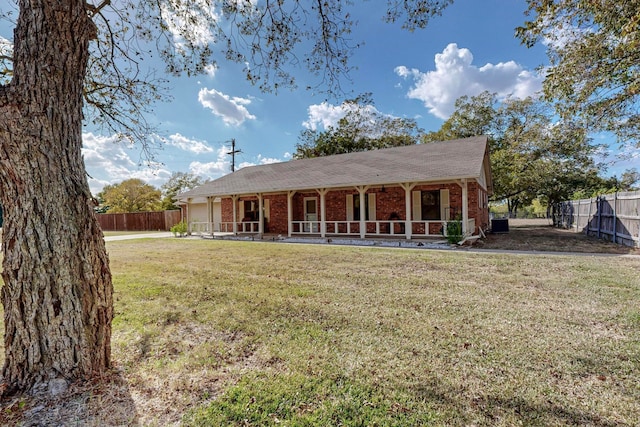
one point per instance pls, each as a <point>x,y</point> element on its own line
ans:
<point>241,333</point>
<point>274,334</point>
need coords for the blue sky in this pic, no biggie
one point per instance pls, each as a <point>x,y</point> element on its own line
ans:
<point>469,49</point>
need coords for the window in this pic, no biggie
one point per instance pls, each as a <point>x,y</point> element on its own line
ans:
<point>430,204</point>
<point>356,208</point>
<point>250,210</point>
<point>353,207</point>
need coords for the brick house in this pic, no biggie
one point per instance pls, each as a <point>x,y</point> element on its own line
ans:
<point>401,192</point>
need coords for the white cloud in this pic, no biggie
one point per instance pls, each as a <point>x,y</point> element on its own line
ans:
<point>212,170</point>
<point>6,50</point>
<point>108,160</point>
<point>455,76</point>
<point>231,110</point>
<point>210,69</point>
<point>186,144</point>
<point>190,22</point>
<point>325,114</point>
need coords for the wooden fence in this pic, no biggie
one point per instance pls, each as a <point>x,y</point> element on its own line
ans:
<point>139,221</point>
<point>615,217</point>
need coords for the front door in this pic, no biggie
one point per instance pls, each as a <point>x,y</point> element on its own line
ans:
<point>310,215</point>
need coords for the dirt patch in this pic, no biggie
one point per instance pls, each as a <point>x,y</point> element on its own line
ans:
<point>540,235</point>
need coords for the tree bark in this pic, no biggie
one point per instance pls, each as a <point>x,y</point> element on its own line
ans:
<point>57,293</point>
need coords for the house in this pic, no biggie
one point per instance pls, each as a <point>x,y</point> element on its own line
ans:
<point>402,192</point>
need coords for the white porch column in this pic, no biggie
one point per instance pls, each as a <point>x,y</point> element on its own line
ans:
<point>260,216</point>
<point>210,213</point>
<point>290,211</point>
<point>407,187</point>
<point>234,199</point>
<point>465,207</point>
<point>363,211</point>
<point>323,211</point>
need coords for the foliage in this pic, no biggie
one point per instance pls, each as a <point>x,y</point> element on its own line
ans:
<point>594,51</point>
<point>362,128</point>
<point>454,231</point>
<point>179,182</point>
<point>630,180</point>
<point>531,154</point>
<point>131,195</point>
<point>180,229</point>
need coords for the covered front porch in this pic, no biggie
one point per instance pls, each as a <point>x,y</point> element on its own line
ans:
<point>401,211</point>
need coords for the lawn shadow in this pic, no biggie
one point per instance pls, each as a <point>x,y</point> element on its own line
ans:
<point>103,401</point>
<point>491,409</point>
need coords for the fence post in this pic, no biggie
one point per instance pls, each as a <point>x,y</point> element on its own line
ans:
<point>599,207</point>
<point>615,217</point>
<point>578,215</point>
<point>588,217</point>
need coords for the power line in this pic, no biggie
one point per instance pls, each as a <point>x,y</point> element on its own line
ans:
<point>233,153</point>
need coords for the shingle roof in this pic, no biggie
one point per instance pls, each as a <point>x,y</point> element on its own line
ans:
<point>437,161</point>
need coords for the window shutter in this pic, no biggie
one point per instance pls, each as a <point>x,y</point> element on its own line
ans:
<point>372,206</point>
<point>349,207</point>
<point>266,204</point>
<point>417,205</point>
<point>241,209</point>
<point>445,212</point>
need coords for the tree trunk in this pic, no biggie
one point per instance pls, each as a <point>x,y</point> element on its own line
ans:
<point>57,292</point>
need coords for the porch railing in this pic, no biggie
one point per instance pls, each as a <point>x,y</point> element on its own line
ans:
<point>242,227</point>
<point>384,228</point>
<point>200,227</point>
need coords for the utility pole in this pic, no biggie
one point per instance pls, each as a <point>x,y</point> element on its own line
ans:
<point>233,154</point>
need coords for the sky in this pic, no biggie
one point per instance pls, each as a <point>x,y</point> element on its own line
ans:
<point>469,49</point>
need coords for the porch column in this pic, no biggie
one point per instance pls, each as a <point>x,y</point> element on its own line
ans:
<point>465,207</point>
<point>323,211</point>
<point>185,211</point>
<point>210,213</point>
<point>234,199</point>
<point>363,211</point>
<point>260,216</point>
<point>290,211</point>
<point>407,187</point>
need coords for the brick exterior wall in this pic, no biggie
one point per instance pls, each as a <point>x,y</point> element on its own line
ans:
<point>388,203</point>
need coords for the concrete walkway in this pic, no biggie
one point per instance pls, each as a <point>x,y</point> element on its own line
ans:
<point>158,235</point>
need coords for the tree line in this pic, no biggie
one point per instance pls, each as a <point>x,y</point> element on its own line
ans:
<point>535,155</point>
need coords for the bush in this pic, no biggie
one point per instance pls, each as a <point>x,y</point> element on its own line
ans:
<point>454,231</point>
<point>180,229</point>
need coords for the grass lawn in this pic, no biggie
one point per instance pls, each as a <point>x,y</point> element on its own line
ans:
<point>212,333</point>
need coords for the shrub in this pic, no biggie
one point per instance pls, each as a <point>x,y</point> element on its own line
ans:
<point>454,231</point>
<point>180,229</point>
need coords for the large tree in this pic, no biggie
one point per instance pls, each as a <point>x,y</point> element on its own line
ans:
<point>362,128</point>
<point>131,195</point>
<point>57,292</point>
<point>177,183</point>
<point>594,50</point>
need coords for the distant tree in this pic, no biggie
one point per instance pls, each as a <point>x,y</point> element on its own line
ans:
<point>629,180</point>
<point>594,50</point>
<point>132,195</point>
<point>472,116</point>
<point>362,128</point>
<point>176,184</point>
